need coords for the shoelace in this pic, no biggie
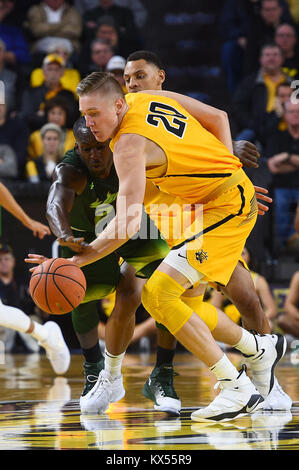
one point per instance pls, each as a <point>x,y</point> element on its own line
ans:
<point>91,378</point>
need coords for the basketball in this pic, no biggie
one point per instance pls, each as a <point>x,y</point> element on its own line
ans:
<point>57,286</point>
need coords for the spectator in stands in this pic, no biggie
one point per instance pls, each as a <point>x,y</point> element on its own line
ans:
<point>262,288</point>
<point>17,51</point>
<point>8,162</point>
<point>41,168</point>
<point>262,31</point>
<point>289,321</point>
<point>256,93</point>
<point>53,19</point>
<point>9,78</point>
<point>116,66</point>
<point>99,55</point>
<point>56,111</point>
<point>234,26</point>
<point>108,31</point>
<point>272,121</point>
<point>14,292</point>
<point>71,76</point>
<point>124,20</point>
<point>286,39</point>
<point>282,153</point>
<point>14,134</point>
<point>34,99</point>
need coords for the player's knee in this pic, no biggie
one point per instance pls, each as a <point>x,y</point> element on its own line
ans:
<point>127,301</point>
<point>160,296</point>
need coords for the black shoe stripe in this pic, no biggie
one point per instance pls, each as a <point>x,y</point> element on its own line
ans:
<point>254,400</point>
<point>279,349</point>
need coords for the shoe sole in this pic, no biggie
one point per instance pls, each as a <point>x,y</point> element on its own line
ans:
<point>254,403</point>
<point>167,409</point>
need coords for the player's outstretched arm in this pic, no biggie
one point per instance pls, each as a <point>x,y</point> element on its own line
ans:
<point>67,181</point>
<point>213,119</point>
<point>10,204</point>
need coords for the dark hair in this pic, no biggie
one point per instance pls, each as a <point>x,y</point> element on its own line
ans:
<point>270,45</point>
<point>148,56</point>
<point>99,81</point>
<point>80,130</point>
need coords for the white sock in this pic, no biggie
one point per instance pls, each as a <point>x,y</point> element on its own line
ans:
<point>247,344</point>
<point>224,369</point>
<point>16,319</point>
<point>113,364</point>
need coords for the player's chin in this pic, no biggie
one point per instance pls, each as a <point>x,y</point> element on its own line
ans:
<point>99,137</point>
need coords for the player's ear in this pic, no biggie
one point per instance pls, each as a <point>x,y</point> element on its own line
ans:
<point>161,74</point>
<point>119,104</point>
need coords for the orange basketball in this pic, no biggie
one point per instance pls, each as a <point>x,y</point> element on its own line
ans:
<point>57,286</point>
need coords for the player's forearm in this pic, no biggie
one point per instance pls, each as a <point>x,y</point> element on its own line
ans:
<point>58,219</point>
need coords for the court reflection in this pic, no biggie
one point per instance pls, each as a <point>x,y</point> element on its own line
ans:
<point>41,411</point>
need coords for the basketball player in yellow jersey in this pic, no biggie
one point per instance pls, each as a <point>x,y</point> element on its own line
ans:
<point>231,208</point>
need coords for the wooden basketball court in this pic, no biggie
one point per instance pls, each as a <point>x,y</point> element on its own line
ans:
<point>41,411</point>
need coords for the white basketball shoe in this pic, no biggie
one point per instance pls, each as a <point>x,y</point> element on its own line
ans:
<point>106,390</point>
<point>56,349</point>
<point>236,398</point>
<point>270,349</point>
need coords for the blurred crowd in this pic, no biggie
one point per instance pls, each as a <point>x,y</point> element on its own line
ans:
<point>260,60</point>
<point>47,47</point>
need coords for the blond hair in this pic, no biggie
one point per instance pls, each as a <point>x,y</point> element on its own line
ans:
<point>100,81</point>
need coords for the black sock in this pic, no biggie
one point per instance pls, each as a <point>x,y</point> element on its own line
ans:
<point>92,354</point>
<point>164,356</point>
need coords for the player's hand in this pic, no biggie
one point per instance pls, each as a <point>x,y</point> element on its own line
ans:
<point>78,245</point>
<point>247,153</point>
<point>260,193</point>
<point>33,258</point>
<point>37,228</point>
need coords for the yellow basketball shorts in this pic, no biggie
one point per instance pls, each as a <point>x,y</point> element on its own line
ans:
<point>226,224</point>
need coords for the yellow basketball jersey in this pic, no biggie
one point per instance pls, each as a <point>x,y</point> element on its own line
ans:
<point>197,162</point>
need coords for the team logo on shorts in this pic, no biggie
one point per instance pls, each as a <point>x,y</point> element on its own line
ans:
<point>201,256</point>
